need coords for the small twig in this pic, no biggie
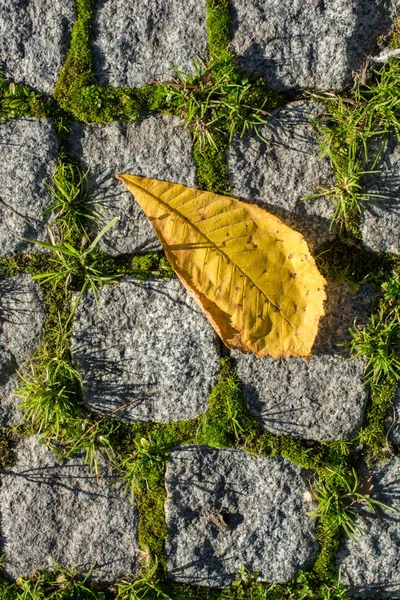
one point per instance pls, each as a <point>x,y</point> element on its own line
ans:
<point>8,207</point>
<point>179,86</point>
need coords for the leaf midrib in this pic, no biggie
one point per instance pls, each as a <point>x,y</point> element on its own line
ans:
<point>179,214</point>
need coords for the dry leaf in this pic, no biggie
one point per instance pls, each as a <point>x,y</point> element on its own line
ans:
<point>252,275</point>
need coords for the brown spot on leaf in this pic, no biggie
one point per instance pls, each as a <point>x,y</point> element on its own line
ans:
<point>293,275</point>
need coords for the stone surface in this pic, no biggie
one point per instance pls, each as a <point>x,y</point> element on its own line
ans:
<point>135,43</point>
<point>322,398</point>
<point>393,421</point>
<point>21,320</point>
<point>157,147</point>
<point>34,40</point>
<point>52,511</point>
<point>315,44</point>
<point>279,173</point>
<point>146,342</point>
<point>226,508</point>
<point>28,157</point>
<point>380,221</point>
<point>370,563</point>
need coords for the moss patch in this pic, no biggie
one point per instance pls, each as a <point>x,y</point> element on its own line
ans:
<point>21,101</point>
<point>218,28</point>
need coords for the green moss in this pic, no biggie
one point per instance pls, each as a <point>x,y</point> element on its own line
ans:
<point>212,171</point>
<point>8,439</point>
<point>77,71</point>
<point>8,591</point>
<point>324,566</point>
<point>372,434</point>
<point>218,28</point>
<point>31,264</point>
<point>227,422</point>
<point>76,89</point>
<point>21,101</point>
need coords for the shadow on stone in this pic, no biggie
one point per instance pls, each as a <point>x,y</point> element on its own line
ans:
<point>372,20</point>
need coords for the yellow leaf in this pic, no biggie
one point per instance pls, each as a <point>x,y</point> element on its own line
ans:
<point>252,275</point>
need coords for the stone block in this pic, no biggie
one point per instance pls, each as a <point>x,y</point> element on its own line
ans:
<point>136,43</point>
<point>34,40</point>
<point>146,344</point>
<point>28,157</point>
<point>380,221</point>
<point>292,43</point>
<point>226,508</point>
<point>278,172</point>
<point>157,147</point>
<point>370,562</point>
<point>22,317</point>
<point>323,397</point>
<point>58,512</point>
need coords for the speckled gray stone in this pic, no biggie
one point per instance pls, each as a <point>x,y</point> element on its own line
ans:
<point>313,44</point>
<point>52,511</point>
<point>28,157</point>
<point>322,398</point>
<point>135,43</point>
<point>393,420</point>
<point>370,563</point>
<point>150,343</point>
<point>21,320</point>
<point>279,173</point>
<point>380,221</point>
<point>226,508</point>
<point>157,147</point>
<point>34,40</point>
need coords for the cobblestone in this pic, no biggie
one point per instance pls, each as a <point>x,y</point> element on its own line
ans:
<point>28,157</point>
<point>308,45</point>
<point>21,320</point>
<point>137,43</point>
<point>226,508</point>
<point>58,512</point>
<point>157,147</point>
<point>380,222</point>
<point>146,342</point>
<point>322,398</point>
<point>370,562</point>
<point>34,39</point>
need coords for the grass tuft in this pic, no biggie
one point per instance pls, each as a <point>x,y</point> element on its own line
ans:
<point>217,100</point>
<point>371,111</point>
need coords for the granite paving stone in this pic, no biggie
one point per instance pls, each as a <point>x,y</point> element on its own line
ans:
<point>149,343</point>
<point>370,562</point>
<point>55,511</point>
<point>34,40</point>
<point>380,221</point>
<point>136,43</point>
<point>157,147</point>
<point>278,172</point>
<point>320,398</point>
<point>315,44</point>
<point>393,420</point>
<point>22,317</point>
<point>226,508</point>
<point>28,157</point>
